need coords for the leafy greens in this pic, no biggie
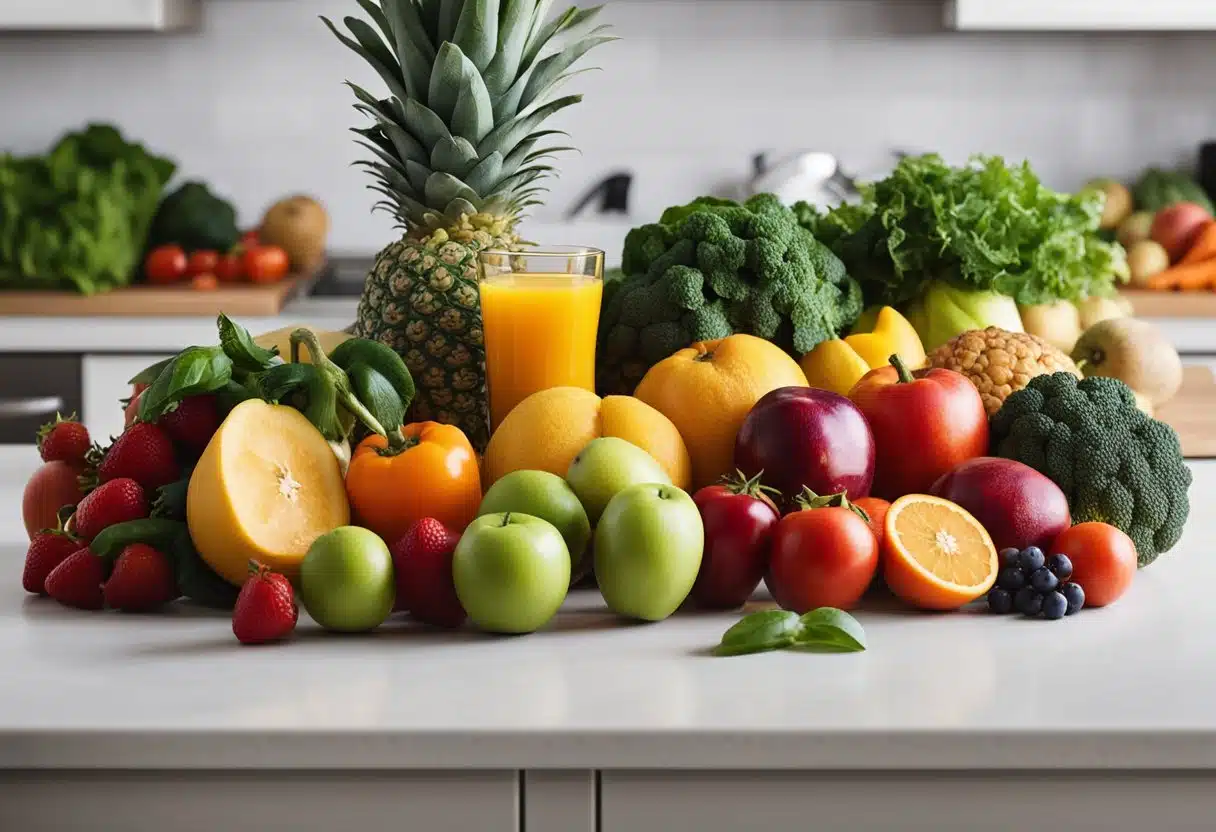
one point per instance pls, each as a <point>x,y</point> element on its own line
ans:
<point>986,225</point>
<point>78,217</point>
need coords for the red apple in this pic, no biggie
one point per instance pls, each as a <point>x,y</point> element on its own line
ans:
<point>803,437</point>
<point>55,485</point>
<point>1177,227</point>
<point>1016,504</point>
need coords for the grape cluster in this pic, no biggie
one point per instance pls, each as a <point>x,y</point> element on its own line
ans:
<point>1034,585</point>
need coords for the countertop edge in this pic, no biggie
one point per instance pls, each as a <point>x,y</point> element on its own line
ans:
<point>1112,750</point>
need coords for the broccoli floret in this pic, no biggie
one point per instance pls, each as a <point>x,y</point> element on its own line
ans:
<point>713,268</point>
<point>1115,464</point>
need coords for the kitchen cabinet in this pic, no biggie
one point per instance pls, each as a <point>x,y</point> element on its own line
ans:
<point>32,389</point>
<point>1080,15</point>
<point>466,801</point>
<point>100,15</point>
<point>105,380</point>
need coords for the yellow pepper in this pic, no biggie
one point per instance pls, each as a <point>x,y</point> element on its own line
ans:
<point>838,364</point>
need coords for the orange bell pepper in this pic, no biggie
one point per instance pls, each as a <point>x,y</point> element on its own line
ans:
<point>435,475</point>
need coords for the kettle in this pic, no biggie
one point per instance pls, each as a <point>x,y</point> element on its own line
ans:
<point>814,177</point>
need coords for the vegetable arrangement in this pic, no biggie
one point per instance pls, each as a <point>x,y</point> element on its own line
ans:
<point>78,217</point>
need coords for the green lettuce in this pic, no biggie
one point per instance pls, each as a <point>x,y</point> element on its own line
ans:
<point>986,226</point>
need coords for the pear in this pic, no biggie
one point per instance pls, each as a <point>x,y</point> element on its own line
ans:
<point>1133,351</point>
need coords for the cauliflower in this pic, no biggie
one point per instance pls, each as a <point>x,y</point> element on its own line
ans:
<point>999,362</point>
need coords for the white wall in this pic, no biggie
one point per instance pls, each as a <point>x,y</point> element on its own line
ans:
<point>255,102</point>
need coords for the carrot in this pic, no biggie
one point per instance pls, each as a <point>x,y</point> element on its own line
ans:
<point>1186,277</point>
<point>1204,247</point>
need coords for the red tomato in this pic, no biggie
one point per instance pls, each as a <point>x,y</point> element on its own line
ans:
<point>265,264</point>
<point>1103,560</point>
<point>924,424</point>
<point>165,264</point>
<point>250,238</point>
<point>229,268</point>
<point>202,261</point>
<point>821,557</point>
<point>739,521</point>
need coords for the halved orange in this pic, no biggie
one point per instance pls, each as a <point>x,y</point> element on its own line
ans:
<point>936,556</point>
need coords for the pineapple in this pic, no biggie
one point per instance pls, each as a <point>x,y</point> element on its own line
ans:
<point>457,153</point>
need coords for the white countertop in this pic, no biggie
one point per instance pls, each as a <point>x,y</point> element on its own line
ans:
<point>1131,686</point>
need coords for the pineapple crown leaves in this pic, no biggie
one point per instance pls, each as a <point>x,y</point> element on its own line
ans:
<point>470,83</point>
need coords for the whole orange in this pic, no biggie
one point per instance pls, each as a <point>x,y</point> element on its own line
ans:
<point>707,390</point>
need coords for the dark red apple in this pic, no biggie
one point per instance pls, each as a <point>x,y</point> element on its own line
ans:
<point>804,437</point>
<point>1016,504</point>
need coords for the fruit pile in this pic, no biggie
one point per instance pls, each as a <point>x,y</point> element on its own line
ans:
<point>233,485</point>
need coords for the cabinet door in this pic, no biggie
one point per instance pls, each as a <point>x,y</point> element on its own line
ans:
<point>105,382</point>
<point>205,801</point>
<point>32,389</point>
<point>898,802</point>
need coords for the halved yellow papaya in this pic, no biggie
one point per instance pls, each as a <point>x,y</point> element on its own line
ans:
<point>266,487</point>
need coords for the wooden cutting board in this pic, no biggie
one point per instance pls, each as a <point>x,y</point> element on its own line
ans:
<point>1192,413</point>
<point>143,301</point>
<point>1149,304</point>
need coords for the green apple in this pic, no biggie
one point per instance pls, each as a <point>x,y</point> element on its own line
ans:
<point>511,572</point>
<point>648,547</point>
<point>605,467</point>
<point>346,580</point>
<point>548,497</point>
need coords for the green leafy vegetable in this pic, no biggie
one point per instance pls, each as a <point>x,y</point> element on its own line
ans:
<point>830,629</point>
<point>239,346</point>
<point>826,629</point>
<point>985,225</point>
<point>1159,189</point>
<point>149,374</point>
<point>78,217</point>
<point>195,218</point>
<point>193,371</point>
<point>713,268</point>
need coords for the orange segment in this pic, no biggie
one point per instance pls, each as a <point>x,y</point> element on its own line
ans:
<point>936,556</point>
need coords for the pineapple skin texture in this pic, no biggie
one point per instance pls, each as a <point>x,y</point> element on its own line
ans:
<point>421,299</point>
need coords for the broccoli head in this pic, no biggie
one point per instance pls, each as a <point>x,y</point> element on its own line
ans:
<point>712,268</point>
<point>1115,464</point>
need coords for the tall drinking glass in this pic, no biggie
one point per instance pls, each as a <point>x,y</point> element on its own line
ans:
<point>540,310</point>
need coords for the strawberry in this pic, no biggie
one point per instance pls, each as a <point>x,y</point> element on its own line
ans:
<point>266,608</point>
<point>65,440</point>
<point>193,422</point>
<point>47,550</point>
<point>422,565</point>
<point>144,453</point>
<point>116,501</point>
<point>142,580</point>
<point>77,581</point>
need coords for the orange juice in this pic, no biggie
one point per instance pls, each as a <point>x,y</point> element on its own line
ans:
<point>540,332</point>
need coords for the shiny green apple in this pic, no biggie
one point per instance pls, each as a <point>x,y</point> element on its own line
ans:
<point>648,547</point>
<point>346,580</point>
<point>511,572</point>
<point>548,497</point>
<point>605,467</point>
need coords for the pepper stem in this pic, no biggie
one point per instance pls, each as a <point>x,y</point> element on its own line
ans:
<point>905,375</point>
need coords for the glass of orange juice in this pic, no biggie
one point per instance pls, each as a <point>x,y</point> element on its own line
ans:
<point>540,310</point>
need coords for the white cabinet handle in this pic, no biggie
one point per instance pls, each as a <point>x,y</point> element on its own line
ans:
<point>42,406</point>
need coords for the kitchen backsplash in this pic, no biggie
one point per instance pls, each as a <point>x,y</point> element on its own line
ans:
<point>255,104</point>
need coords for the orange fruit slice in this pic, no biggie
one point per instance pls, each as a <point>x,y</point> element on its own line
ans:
<point>936,556</point>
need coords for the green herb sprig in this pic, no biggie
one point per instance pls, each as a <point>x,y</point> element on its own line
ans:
<point>822,630</point>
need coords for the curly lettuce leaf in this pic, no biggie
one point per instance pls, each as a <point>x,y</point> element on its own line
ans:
<point>985,226</point>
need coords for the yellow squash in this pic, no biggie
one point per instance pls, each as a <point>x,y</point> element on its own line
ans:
<point>266,487</point>
<point>838,364</point>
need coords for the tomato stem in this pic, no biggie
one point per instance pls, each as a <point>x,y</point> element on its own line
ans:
<point>808,500</point>
<point>739,483</point>
<point>905,375</point>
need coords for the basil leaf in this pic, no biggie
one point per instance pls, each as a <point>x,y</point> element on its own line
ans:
<point>830,629</point>
<point>194,371</point>
<point>239,346</point>
<point>149,374</point>
<point>759,632</point>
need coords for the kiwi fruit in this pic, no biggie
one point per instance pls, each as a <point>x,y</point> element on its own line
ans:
<point>1133,351</point>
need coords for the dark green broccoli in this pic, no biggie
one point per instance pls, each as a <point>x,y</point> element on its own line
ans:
<point>712,268</point>
<point>1115,464</point>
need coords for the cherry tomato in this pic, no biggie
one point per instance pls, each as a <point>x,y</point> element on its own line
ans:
<point>204,282</point>
<point>250,238</point>
<point>165,264</point>
<point>739,520</point>
<point>229,268</point>
<point>202,261</point>
<point>1103,560</point>
<point>821,557</point>
<point>265,264</point>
